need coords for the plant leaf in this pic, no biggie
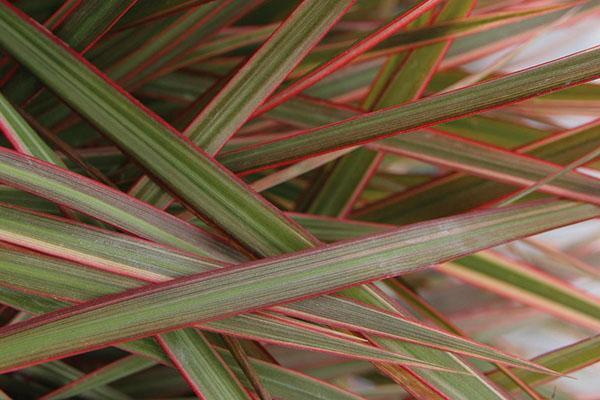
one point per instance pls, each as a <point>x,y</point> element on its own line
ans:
<point>426,35</point>
<point>201,366</point>
<point>84,27</point>
<point>391,87</point>
<point>565,360</point>
<point>22,136</point>
<point>268,67</point>
<point>197,25</point>
<point>555,75</point>
<point>409,207</point>
<point>106,204</point>
<point>64,281</point>
<point>498,274</point>
<point>260,76</point>
<point>217,294</point>
<point>280,381</point>
<point>146,11</point>
<point>195,178</point>
<point>405,17</point>
<point>60,373</point>
<point>116,370</point>
<point>504,166</point>
<point>528,286</point>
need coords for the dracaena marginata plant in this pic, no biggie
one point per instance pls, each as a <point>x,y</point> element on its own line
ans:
<point>298,199</point>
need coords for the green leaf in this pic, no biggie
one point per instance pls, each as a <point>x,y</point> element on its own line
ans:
<point>259,77</point>
<point>280,381</point>
<point>410,79</point>
<point>402,78</point>
<point>201,365</point>
<point>118,257</point>
<point>470,191</point>
<point>289,384</point>
<point>22,136</point>
<point>555,75</point>
<point>498,274</point>
<point>81,32</point>
<point>60,373</point>
<point>116,370</point>
<point>216,294</point>
<point>66,281</point>
<point>107,204</point>
<point>145,11</point>
<point>407,15</point>
<point>169,101</point>
<point>336,311</point>
<point>184,33</point>
<point>468,47</point>
<point>189,173</point>
<point>489,162</point>
<point>267,68</point>
<point>565,360</point>
<point>89,22</point>
<point>452,152</point>
<point>529,286</point>
<point>225,44</point>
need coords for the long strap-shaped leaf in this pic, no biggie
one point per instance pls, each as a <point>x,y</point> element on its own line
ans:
<point>264,71</point>
<point>259,77</point>
<point>107,204</point>
<point>56,279</point>
<point>402,78</point>
<point>199,24</point>
<point>222,380</point>
<point>430,199</point>
<point>456,29</point>
<point>147,11</point>
<point>200,365</point>
<point>277,236</point>
<point>126,257</point>
<point>280,381</point>
<point>411,73</point>
<point>231,221</point>
<point>548,179</point>
<point>361,46</point>
<point>68,281</point>
<point>225,292</point>
<point>54,20</point>
<point>404,40</point>
<point>193,355</point>
<point>490,162</point>
<point>455,152</point>
<point>529,286</point>
<point>60,373</point>
<point>81,30</point>
<point>261,328</point>
<point>476,46</point>
<point>180,166</point>
<point>116,370</point>
<point>504,277</point>
<point>545,78</point>
<point>27,141</point>
<point>565,359</point>
<point>22,136</point>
